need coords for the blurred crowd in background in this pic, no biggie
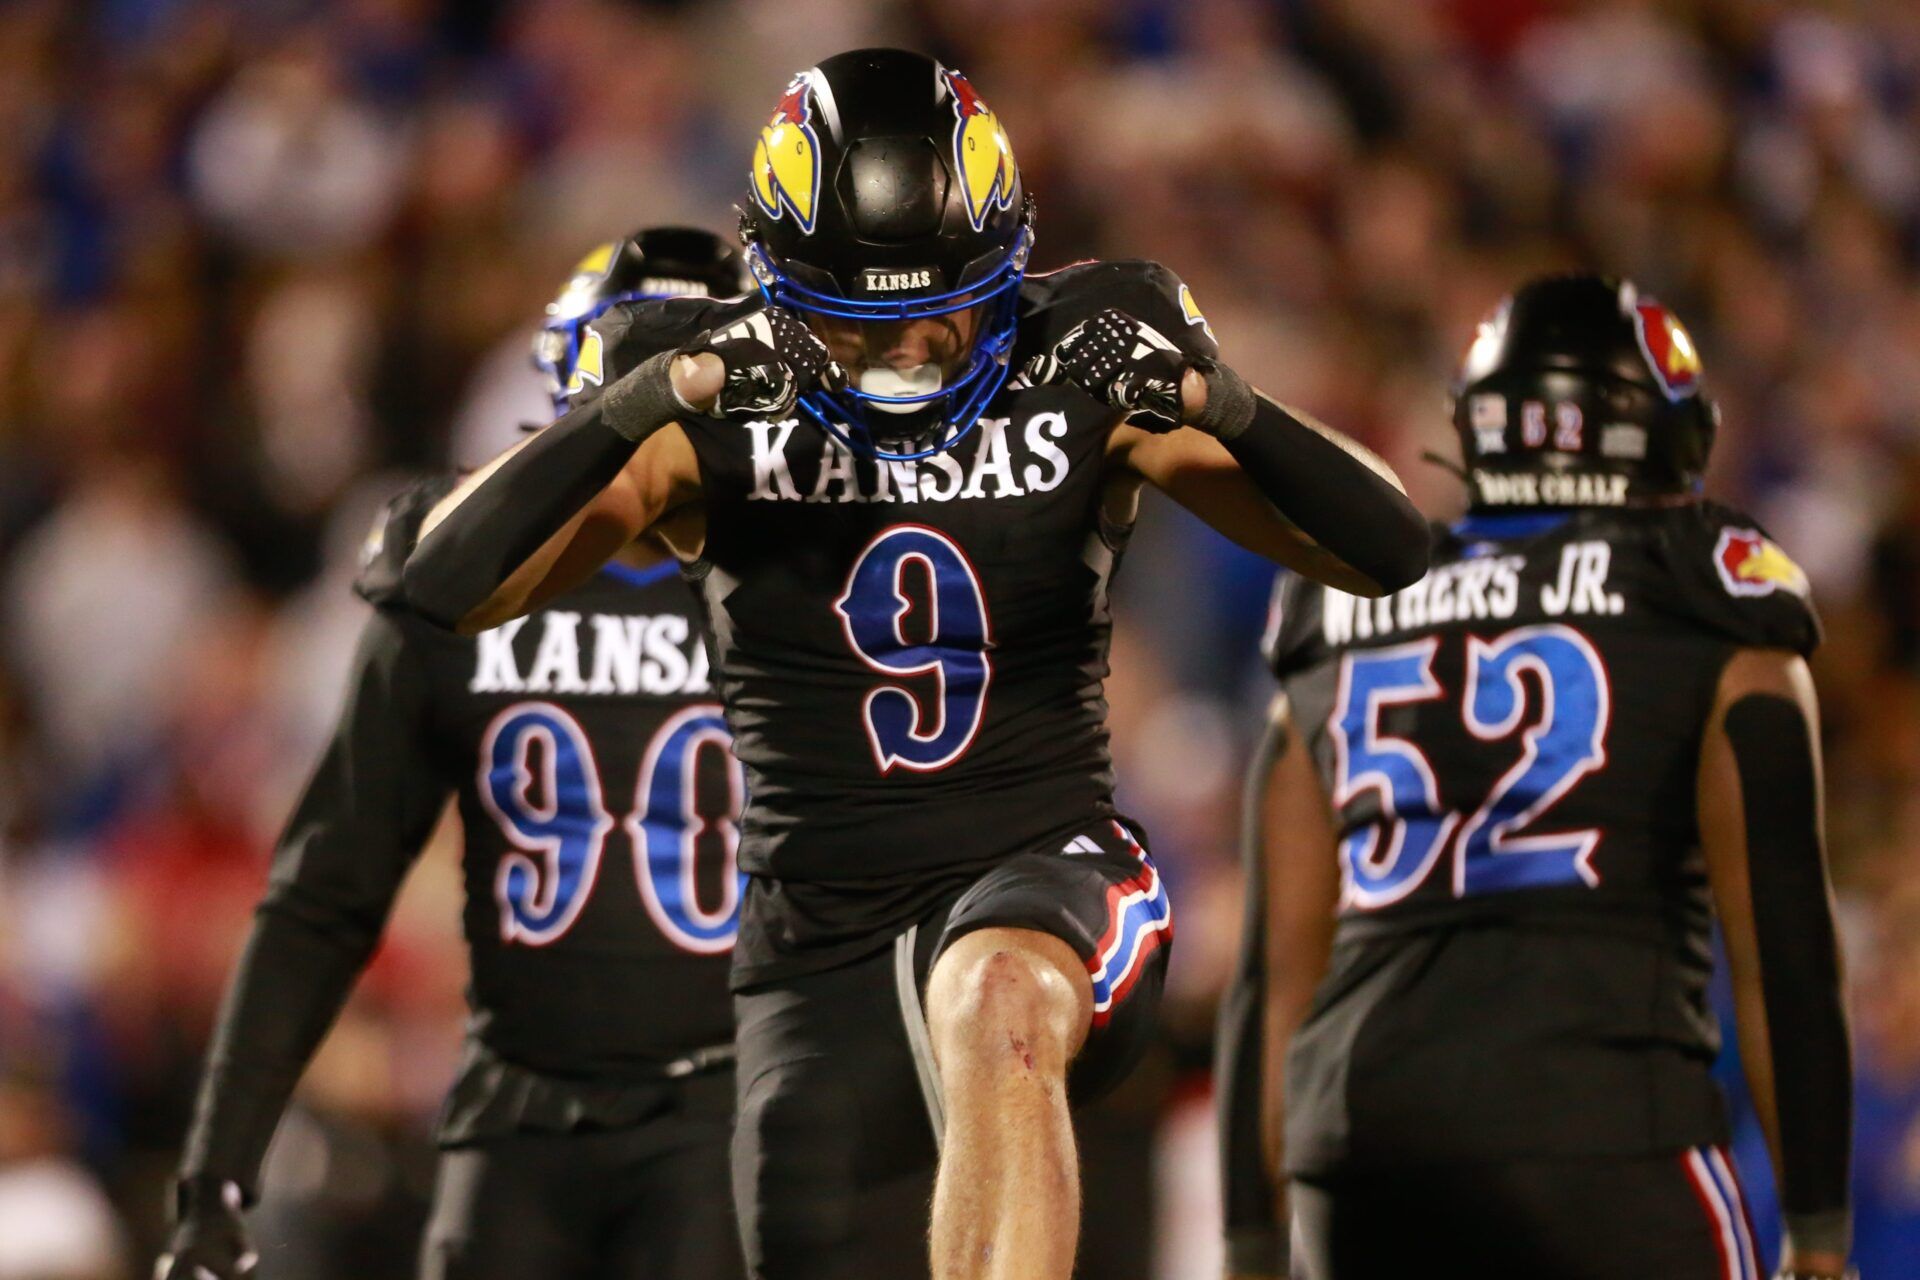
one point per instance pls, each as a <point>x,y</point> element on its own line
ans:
<point>261,261</point>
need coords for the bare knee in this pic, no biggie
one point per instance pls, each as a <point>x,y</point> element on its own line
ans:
<point>1008,1001</point>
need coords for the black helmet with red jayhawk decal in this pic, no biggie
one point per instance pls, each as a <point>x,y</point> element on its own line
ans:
<point>884,192</point>
<point>1579,390</point>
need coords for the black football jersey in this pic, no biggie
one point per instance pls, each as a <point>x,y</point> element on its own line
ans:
<point>1511,748</point>
<point>912,654</point>
<point>598,798</point>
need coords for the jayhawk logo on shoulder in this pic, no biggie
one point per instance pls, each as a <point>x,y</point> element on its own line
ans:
<point>786,160</point>
<point>982,153</point>
<point>1191,310</point>
<point>1752,564</point>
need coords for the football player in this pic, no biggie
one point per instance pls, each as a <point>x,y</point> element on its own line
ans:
<point>1504,808</point>
<point>902,477</point>
<point>586,1135</point>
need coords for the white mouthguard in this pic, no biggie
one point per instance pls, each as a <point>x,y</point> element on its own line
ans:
<point>921,380</point>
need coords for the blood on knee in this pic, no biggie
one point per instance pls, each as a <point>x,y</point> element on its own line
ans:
<point>1001,1009</point>
<point>1020,1050</point>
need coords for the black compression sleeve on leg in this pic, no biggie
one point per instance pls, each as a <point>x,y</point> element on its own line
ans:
<point>1799,955</point>
<point>497,527</point>
<point>1328,491</point>
<point>1256,1243</point>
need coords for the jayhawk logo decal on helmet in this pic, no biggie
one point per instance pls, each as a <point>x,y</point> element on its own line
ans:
<point>578,295</point>
<point>1752,564</point>
<point>982,154</point>
<point>1668,347</point>
<point>786,160</point>
<point>589,366</point>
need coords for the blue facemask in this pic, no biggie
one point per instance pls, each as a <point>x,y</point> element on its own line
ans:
<point>957,403</point>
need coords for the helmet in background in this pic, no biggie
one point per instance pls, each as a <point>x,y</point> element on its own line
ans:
<point>1579,390</point>
<point>658,262</point>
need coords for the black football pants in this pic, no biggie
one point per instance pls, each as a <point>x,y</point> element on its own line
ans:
<point>647,1202</point>
<point>835,1152</point>
<point>1674,1217</point>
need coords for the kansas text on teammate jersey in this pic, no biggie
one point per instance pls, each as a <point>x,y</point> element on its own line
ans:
<point>598,799</point>
<point>905,548</point>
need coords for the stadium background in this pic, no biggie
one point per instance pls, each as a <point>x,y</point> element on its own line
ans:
<point>259,261</point>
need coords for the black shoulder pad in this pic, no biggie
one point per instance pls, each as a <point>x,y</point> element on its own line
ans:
<point>384,554</point>
<point>1728,576</point>
<point>626,335</point>
<point>1170,308</point>
<point>1148,291</point>
<point>1292,640</point>
<point>1144,290</point>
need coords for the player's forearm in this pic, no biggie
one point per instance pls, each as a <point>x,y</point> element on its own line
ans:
<point>487,549</point>
<point>1817,1237</point>
<point>1797,957</point>
<point>1760,819</point>
<point>337,870</point>
<point>1293,883</point>
<point>1255,1228</point>
<point>1338,493</point>
<point>1254,1225</point>
<point>291,982</point>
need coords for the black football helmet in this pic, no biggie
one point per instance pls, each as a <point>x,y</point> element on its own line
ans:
<point>657,262</point>
<point>1579,390</point>
<point>884,191</point>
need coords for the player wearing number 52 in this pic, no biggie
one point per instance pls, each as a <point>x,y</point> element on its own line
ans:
<point>586,1135</point>
<point>1501,812</point>
<point>902,476</point>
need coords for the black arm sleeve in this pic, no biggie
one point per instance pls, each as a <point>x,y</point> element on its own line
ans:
<point>1799,955</point>
<point>1256,1242</point>
<point>1331,494</point>
<point>371,803</point>
<point>498,527</point>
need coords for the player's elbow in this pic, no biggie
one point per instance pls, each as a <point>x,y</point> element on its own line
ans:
<point>1398,554</point>
<point>424,588</point>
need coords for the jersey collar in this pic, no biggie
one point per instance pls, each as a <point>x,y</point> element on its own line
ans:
<point>628,575</point>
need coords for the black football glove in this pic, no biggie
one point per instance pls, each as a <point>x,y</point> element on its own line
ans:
<point>771,358</point>
<point>209,1240</point>
<point>1120,361</point>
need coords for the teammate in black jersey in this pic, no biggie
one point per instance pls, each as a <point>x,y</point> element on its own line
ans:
<point>902,478</point>
<point>1546,768</point>
<point>586,1134</point>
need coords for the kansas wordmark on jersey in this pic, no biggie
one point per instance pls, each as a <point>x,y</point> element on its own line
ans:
<point>1011,461</point>
<point>595,654</point>
<point>598,797</point>
<point>911,652</point>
